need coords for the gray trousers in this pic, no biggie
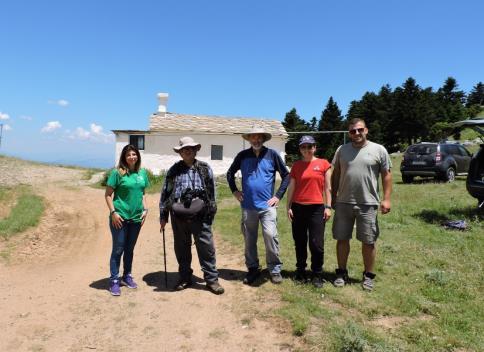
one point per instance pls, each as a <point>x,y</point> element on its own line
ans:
<point>250,227</point>
<point>202,233</point>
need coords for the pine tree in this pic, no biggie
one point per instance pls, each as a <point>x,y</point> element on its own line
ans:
<point>450,101</point>
<point>476,96</point>
<point>331,120</point>
<point>293,123</point>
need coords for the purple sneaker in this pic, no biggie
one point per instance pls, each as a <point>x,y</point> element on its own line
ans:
<point>114,288</point>
<point>128,281</point>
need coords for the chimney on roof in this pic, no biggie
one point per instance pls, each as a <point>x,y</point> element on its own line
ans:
<point>163,100</point>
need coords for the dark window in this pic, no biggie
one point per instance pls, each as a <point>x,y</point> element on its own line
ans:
<point>464,151</point>
<point>453,149</point>
<point>137,141</point>
<point>424,149</point>
<point>217,152</point>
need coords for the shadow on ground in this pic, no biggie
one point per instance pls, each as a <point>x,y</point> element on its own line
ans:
<point>436,217</point>
<point>157,280</point>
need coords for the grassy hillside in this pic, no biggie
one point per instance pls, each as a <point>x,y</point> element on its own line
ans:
<point>429,285</point>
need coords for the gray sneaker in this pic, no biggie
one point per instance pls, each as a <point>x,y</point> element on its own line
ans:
<point>367,282</point>
<point>276,278</point>
<point>341,278</point>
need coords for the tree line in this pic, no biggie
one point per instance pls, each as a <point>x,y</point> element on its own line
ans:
<point>395,118</point>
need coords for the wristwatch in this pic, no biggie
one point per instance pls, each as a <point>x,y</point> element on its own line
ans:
<point>112,212</point>
<point>326,206</point>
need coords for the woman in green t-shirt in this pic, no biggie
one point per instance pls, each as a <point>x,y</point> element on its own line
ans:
<point>125,197</point>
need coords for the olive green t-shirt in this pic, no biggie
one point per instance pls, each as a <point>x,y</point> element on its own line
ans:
<point>128,193</point>
<point>356,172</point>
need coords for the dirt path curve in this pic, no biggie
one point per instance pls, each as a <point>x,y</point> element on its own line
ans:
<point>53,293</point>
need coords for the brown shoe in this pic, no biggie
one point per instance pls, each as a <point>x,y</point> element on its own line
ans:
<point>182,284</point>
<point>215,288</point>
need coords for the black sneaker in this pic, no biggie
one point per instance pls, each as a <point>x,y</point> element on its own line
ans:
<point>367,282</point>
<point>341,278</point>
<point>317,281</point>
<point>252,275</point>
<point>300,276</point>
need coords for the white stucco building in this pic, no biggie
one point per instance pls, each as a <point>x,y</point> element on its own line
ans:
<point>219,136</point>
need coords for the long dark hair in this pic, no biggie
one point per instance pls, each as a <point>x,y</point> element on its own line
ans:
<point>123,165</point>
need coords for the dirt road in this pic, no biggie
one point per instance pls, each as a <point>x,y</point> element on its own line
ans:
<point>53,291</point>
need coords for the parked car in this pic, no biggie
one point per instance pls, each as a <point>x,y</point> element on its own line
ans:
<point>475,177</point>
<point>440,160</point>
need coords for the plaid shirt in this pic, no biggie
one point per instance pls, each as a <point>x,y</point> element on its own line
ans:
<point>184,177</point>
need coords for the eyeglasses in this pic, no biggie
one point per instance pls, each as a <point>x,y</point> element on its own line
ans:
<point>359,130</point>
<point>306,146</point>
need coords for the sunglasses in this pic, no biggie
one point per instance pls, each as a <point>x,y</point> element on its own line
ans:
<point>306,146</point>
<point>359,130</point>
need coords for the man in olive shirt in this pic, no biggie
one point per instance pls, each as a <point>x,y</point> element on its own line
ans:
<point>356,168</point>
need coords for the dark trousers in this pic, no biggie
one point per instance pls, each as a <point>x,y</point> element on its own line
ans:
<point>202,233</point>
<point>308,223</point>
<point>124,240</point>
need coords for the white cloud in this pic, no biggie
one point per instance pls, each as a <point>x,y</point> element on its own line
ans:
<point>95,134</point>
<point>81,133</point>
<point>51,126</point>
<point>7,127</point>
<point>4,116</point>
<point>24,117</point>
<point>60,102</point>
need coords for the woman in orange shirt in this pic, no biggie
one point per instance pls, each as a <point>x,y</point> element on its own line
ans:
<point>308,209</point>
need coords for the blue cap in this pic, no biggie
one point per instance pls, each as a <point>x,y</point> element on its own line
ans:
<point>307,140</point>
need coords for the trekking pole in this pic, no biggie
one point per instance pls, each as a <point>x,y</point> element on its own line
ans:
<point>164,258</point>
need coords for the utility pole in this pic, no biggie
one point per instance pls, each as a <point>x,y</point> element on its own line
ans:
<point>1,133</point>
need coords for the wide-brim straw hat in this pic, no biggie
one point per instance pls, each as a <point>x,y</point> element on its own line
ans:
<point>257,130</point>
<point>186,142</point>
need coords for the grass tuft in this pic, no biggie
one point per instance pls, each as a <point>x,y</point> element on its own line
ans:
<point>24,214</point>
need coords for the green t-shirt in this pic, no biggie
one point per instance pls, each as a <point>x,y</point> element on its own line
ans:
<point>356,171</point>
<point>128,193</point>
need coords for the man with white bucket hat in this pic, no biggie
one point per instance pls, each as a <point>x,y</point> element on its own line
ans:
<point>258,166</point>
<point>188,196</point>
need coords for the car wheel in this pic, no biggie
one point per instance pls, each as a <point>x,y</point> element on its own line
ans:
<point>407,178</point>
<point>449,175</point>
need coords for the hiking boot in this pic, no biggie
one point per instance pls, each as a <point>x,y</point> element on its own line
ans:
<point>317,280</point>
<point>300,276</point>
<point>114,288</point>
<point>367,283</point>
<point>251,276</point>
<point>341,278</point>
<point>182,284</point>
<point>215,287</point>
<point>128,281</point>
<point>276,278</point>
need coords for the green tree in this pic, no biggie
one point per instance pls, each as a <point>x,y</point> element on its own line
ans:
<point>450,102</point>
<point>293,123</point>
<point>331,120</point>
<point>476,96</point>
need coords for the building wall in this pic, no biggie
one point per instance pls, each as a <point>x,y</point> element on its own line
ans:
<point>159,155</point>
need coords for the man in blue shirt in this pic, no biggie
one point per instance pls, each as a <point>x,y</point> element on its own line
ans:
<point>258,166</point>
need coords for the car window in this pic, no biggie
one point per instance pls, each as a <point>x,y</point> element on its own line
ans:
<point>422,149</point>
<point>454,149</point>
<point>464,151</point>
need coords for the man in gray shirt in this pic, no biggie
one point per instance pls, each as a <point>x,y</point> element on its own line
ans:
<point>356,169</point>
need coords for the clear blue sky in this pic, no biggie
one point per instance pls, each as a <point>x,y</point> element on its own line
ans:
<point>71,71</point>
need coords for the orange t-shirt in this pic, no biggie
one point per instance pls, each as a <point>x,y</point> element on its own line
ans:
<point>309,177</point>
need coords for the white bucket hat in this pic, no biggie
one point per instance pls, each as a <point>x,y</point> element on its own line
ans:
<point>186,142</point>
<point>257,130</point>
